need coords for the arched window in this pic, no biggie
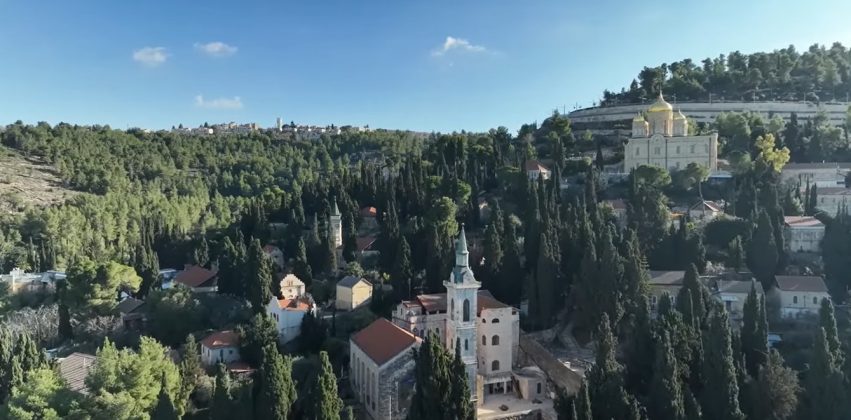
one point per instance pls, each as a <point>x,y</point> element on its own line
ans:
<point>495,321</point>
<point>466,344</point>
<point>484,341</point>
<point>495,366</point>
<point>495,340</point>
<point>484,321</point>
<point>466,310</point>
<point>452,308</point>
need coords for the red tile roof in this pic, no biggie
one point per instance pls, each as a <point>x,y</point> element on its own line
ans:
<point>437,302</point>
<point>534,165</point>
<point>801,284</point>
<point>239,367</point>
<point>368,212</point>
<point>195,276</point>
<point>220,339</point>
<point>365,243</point>
<point>296,304</point>
<point>802,221</point>
<point>382,340</point>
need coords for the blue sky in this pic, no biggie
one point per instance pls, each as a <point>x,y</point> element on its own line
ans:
<point>423,65</point>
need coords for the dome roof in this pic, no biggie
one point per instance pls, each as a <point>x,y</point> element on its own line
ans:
<point>660,105</point>
<point>679,115</point>
<point>638,118</point>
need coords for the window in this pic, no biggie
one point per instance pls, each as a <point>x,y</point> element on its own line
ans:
<point>815,302</point>
<point>466,345</point>
<point>692,149</point>
<point>484,341</point>
<point>637,151</point>
<point>794,299</point>
<point>495,321</point>
<point>466,310</point>
<point>657,150</point>
<point>539,387</point>
<point>484,321</point>
<point>495,366</point>
<point>495,340</point>
<point>452,308</point>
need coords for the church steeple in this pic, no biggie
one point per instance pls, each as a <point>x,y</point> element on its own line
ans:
<point>335,211</point>
<point>462,256</point>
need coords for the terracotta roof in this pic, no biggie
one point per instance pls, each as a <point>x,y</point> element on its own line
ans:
<point>74,370</point>
<point>437,302</point>
<point>351,281</point>
<point>710,205</point>
<point>382,340</point>
<point>296,304</point>
<point>802,221</point>
<point>801,284</point>
<point>129,305</point>
<point>195,276</point>
<point>486,301</point>
<point>368,212</point>
<point>239,367</point>
<point>534,165</point>
<point>220,339</point>
<point>365,243</point>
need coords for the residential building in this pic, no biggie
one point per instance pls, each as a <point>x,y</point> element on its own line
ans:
<point>21,281</point>
<point>799,295</point>
<point>74,369</point>
<point>199,279</point>
<point>660,138</point>
<point>352,293</point>
<point>288,315</point>
<point>291,287</point>
<point>275,255</point>
<point>705,211</point>
<point>133,313</point>
<point>802,233</point>
<point>733,293</point>
<point>821,174</point>
<point>220,347</point>
<point>831,200</point>
<point>535,169</point>
<point>664,283</point>
<point>381,366</point>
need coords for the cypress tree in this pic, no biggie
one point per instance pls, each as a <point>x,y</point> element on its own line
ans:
<point>583,403</point>
<point>350,237</point>
<point>720,397</point>
<point>827,320</point>
<point>260,280</point>
<point>605,379</point>
<point>511,275</point>
<point>327,404</point>
<point>301,268</point>
<point>402,273</point>
<point>735,254</point>
<point>813,200</point>
<point>164,410</point>
<point>610,281</point>
<point>222,405</point>
<point>775,391</point>
<point>274,388</point>
<point>190,371</point>
<point>462,407</point>
<point>666,399</point>
<point>753,334</point>
<point>586,290</point>
<point>700,298</point>
<point>640,350</point>
<point>432,387</point>
<point>824,385</point>
<point>764,253</point>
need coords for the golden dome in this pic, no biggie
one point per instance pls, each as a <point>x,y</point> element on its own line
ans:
<point>679,115</point>
<point>638,118</point>
<point>660,105</point>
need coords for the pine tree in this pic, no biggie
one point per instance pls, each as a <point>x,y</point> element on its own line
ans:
<point>754,332</point>
<point>775,391</point>
<point>260,280</point>
<point>720,397</point>
<point>275,391</point>
<point>402,273</point>
<point>666,399</point>
<point>462,407</point>
<point>326,403</point>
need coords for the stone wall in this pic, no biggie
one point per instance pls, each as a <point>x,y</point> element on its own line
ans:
<point>395,387</point>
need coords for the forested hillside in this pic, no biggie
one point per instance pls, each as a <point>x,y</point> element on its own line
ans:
<point>817,74</point>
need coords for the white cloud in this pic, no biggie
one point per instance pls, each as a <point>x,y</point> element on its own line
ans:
<point>457,44</point>
<point>218,103</point>
<point>216,49</point>
<point>150,56</point>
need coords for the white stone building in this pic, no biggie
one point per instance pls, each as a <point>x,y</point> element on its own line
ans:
<point>220,347</point>
<point>822,174</point>
<point>535,170</point>
<point>661,139</point>
<point>830,200</point>
<point>802,233</point>
<point>798,296</point>
<point>704,211</point>
<point>291,287</point>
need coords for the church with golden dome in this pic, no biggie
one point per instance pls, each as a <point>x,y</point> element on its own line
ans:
<point>661,138</point>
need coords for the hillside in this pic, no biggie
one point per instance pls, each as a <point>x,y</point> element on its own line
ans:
<point>27,182</point>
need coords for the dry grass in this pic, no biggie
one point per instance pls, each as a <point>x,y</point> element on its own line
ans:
<point>26,182</point>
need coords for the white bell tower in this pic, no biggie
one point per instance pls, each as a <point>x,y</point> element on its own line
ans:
<point>461,293</point>
<point>336,220</point>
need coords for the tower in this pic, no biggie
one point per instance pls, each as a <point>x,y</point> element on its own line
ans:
<point>336,221</point>
<point>461,293</point>
<point>279,123</point>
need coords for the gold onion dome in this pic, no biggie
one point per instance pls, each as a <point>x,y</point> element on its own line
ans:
<point>660,105</point>
<point>638,118</point>
<point>679,115</point>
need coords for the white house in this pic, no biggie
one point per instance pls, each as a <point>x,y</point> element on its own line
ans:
<point>704,211</point>
<point>288,314</point>
<point>535,169</point>
<point>291,287</point>
<point>799,295</point>
<point>824,174</point>
<point>802,233</point>
<point>381,368</point>
<point>275,255</point>
<point>220,347</point>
